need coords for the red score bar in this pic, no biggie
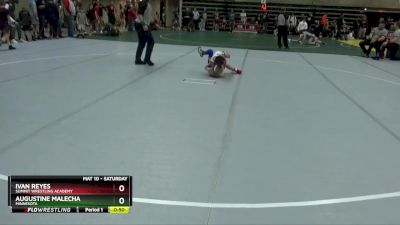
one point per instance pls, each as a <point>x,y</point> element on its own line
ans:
<point>78,189</point>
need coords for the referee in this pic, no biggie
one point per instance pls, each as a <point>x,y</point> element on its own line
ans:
<point>143,27</point>
<point>282,30</point>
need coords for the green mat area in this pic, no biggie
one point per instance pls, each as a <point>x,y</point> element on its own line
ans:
<point>236,40</point>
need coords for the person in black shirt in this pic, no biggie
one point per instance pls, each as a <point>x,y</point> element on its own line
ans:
<point>91,17</point>
<point>111,13</point>
<point>186,18</point>
<point>25,22</point>
<point>356,28</point>
<point>53,17</point>
<point>340,26</point>
<point>41,9</point>
<point>310,21</point>
<point>363,27</point>
<point>5,20</point>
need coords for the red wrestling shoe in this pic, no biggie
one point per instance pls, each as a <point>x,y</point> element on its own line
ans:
<point>238,71</point>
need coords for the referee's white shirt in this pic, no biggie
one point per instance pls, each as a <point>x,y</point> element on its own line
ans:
<point>281,20</point>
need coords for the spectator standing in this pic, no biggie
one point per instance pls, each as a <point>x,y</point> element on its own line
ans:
<point>203,22</point>
<point>324,20</point>
<point>41,9</point>
<point>310,21</point>
<point>243,17</point>
<point>363,27</point>
<point>324,25</point>
<point>265,22</point>
<point>232,20</point>
<point>12,5</point>
<point>111,13</point>
<point>196,18</point>
<point>91,18</point>
<point>81,21</point>
<point>187,16</point>
<point>131,17</point>
<point>356,28</point>
<point>259,21</point>
<point>52,16</point>
<point>389,23</point>
<point>6,21</point>
<point>121,16</point>
<point>25,23</point>
<point>217,21</point>
<point>60,17</point>
<point>163,19</point>
<point>104,19</point>
<point>292,23</point>
<point>340,23</point>
<point>70,12</point>
<point>175,21</point>
<point>282,30</point>
<point>34,17</point>
<point>97,14</point>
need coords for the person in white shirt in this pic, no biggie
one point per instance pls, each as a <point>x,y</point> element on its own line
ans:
<point>196,18</point>
<point>282,30</point>
<point>292,23</point>
<point>203,22</point>
<point>302,26</point>
<point>243,17</point>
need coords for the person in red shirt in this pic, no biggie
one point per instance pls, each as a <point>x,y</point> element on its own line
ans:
<point>70,12</point>
<point>324,25</point>
<point>324,20</point>
<point>97,15</point>
<point>131,17</point>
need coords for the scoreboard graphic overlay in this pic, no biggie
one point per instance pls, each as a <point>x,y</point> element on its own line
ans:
<point>70,194</point>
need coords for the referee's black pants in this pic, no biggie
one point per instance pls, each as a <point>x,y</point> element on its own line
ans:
<point>283,33</point>
<point>145,37</point>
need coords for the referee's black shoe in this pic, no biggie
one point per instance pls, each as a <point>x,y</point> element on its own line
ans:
<point>149,62</point>
<point>139,62</point>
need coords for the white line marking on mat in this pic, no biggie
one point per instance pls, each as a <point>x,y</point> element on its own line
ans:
<point>266,205</point>
<point>333,69</point>
<point>195,79</point>
<point>160,53</point>
<point>3,177</point>
<point>195,82</point>
<point>359,74</point>
<point>50,58</point>
<point>199,81</point>
<point>164,36</point>
<point>259,205</point>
